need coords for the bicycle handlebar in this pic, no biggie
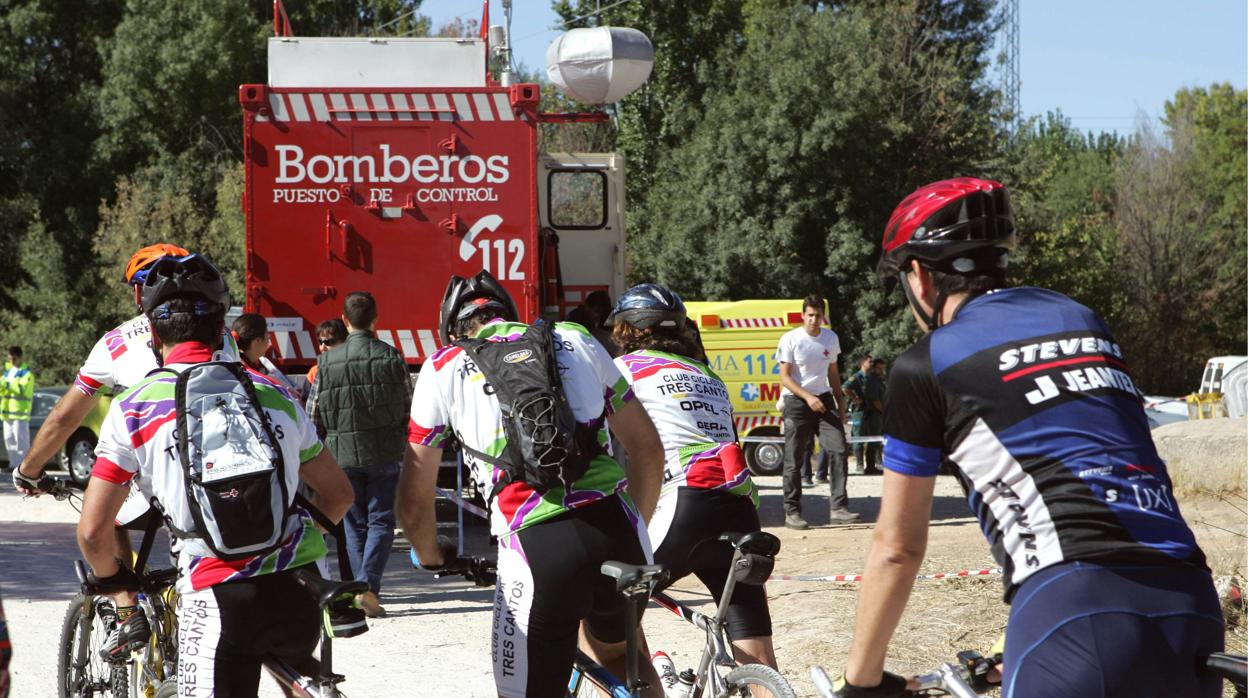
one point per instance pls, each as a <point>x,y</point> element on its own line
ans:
<point>480,571</point>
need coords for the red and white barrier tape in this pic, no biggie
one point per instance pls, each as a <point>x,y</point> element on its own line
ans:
<point>858,577</point>
<point>464,504</point>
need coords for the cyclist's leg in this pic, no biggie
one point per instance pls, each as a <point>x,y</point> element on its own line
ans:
<point>1089,630</point>
<point>225,630</point>
<point>616,533</point>
<point>707,514</point>
<point>542,593</point>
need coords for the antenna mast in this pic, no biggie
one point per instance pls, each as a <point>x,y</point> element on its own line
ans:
<point>1013,106</point>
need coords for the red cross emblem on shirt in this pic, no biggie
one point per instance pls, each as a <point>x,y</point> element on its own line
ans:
<point>826,353</point>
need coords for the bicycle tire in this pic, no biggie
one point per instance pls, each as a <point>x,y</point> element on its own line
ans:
<point>741,678</point>
<point>70,641</point>
<point>168,689</point>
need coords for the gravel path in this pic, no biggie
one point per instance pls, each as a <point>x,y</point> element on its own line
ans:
<point>438,631</point>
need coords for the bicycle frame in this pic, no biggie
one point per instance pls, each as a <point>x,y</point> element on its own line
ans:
<point>301,685</point>
<point>718,647</point>
<point>585,668</point>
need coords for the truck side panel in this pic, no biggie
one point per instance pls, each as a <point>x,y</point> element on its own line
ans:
<point>390,191</point>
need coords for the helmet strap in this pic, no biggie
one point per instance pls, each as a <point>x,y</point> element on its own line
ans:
<point>930,321</point>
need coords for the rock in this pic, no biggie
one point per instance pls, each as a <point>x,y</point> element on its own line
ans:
<point>1205,455</point>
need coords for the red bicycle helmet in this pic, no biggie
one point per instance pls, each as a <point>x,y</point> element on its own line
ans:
<point>956,226</point>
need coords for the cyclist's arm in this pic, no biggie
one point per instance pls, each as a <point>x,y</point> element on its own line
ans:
<point>897,550</point>
<point>632,426</point>
<point>332,490</point>
<point>414,504</point>
<point>100,504</point>
<point>66,416</point>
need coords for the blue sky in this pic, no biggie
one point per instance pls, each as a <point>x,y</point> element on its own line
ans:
<point>1103,63</point>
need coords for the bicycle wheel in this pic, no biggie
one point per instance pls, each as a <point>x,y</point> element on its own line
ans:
<point>81,672</point>
<point>168,689</point>
<point>757,681</point>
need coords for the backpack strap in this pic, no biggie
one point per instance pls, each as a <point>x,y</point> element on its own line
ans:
<point>145,547</point>
<point>336,529</point>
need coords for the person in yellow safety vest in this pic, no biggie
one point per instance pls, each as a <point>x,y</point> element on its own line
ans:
<point>17,392</point>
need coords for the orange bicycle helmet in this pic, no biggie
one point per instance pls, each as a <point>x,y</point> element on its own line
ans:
<point>141,261</point>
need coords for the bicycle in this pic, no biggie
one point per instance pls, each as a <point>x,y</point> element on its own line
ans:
<point>636,583</point>
<point>754,557</point>
<point>151,671</point>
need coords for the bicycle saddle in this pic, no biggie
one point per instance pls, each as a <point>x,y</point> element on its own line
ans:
<point>326,590</point>
<point>758,542</point>
<point>626,575</point>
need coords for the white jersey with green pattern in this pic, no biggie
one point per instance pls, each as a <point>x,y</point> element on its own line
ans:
<point>451,394</point>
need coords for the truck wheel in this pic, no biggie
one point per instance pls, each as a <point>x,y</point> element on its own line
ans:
<point>764,458</point>
<point>79,455</point>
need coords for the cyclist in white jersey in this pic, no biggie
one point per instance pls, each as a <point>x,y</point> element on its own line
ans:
<point>551,542</point>
<point>118,361</point>
<point>707,489</point>
<point>234,609</point>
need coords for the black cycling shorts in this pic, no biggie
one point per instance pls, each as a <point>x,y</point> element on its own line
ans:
<point>691,545</point>
<point>549,579</point>
<point>225,630</point>
<point>1086,630</point>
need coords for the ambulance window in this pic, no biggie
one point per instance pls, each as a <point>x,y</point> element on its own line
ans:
<point>577,199</point>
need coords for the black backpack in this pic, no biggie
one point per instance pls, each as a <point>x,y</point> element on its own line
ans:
<point>546,447</point>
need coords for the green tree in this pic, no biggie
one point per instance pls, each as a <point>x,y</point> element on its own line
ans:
<point>156,204</point>
<point>1063,186</point>
<point>49,75</point>
<point>1169,261</point>
<point>1218,120</point>
<point>694,45</point>
<point>54,330</point>
<point>831,117</point>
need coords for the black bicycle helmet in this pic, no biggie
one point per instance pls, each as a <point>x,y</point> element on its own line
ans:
<point>464,297</point>
<point>191,276</point>
<point>648,305</point>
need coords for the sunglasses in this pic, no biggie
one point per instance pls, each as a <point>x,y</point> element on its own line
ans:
<point>326,341</point>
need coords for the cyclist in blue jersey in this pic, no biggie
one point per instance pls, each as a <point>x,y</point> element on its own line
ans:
<point>1027,395</point>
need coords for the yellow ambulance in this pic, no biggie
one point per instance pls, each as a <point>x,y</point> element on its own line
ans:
<point>740,339</point>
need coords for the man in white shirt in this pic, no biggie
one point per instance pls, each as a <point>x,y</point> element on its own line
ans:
<point>813,404</point>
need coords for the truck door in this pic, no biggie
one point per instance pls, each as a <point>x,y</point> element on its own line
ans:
<point>581,201</point>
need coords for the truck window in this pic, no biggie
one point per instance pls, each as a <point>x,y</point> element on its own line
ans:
<point>577,199</point>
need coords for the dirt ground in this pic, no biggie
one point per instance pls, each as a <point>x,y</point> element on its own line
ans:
<point>437,633</point>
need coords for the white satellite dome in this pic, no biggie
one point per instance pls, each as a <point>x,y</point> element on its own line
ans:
<point>599,65</point>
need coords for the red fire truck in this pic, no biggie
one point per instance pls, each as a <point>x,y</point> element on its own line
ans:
<point>389,164</point>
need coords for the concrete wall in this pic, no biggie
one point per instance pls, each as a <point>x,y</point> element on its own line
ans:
<point>1205,455</point>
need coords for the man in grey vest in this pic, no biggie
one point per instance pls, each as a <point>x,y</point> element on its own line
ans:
<point>361,399</point>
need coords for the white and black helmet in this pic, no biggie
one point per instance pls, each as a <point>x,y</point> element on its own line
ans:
<point>464,297</point>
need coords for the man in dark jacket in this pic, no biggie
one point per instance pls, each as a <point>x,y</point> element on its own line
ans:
<point>361,399</point>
